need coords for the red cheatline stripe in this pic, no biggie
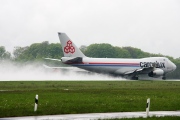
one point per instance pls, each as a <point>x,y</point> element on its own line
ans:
<point>106,63</point>
<point>113,63</point>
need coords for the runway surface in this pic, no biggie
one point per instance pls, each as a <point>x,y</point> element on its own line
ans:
<point>95,116</point>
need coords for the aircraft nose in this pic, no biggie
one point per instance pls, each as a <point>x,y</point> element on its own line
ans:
<point>174,66</point>
<point>171,67</point>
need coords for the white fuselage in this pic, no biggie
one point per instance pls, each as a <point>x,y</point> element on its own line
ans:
<point>120,66</point>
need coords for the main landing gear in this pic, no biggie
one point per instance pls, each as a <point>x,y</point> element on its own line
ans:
<point>135,78</point>
<point>164,77</point>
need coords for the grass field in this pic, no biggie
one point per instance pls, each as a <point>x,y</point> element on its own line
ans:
<point>67,97</point>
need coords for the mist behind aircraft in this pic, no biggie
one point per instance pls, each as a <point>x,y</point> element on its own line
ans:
<point>10,71</point>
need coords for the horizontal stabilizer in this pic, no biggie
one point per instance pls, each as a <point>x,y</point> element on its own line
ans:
<point>52,59</point>
<point>75,60</point>
<point>75,69</point>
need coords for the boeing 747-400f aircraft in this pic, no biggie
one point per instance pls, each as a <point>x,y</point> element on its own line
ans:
<point>129,68</point>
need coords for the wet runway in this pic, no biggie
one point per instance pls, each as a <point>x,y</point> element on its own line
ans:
<point>95,116</point>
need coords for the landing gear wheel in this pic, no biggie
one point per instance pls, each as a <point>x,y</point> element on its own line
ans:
<point>164,78</point>
<point>134,78</point>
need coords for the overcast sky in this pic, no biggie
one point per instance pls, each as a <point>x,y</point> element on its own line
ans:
<point>151,25</point>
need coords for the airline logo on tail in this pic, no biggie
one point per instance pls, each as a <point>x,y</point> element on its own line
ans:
<point>69,48</point>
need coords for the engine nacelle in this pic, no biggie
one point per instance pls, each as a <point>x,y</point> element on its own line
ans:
<point>156,73</point>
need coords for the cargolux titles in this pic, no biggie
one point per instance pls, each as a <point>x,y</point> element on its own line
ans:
<point>152,64</point>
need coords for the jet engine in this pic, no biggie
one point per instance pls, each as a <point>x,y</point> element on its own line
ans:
<point>156,73</point>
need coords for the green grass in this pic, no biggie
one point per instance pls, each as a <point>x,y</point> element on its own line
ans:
<point>67,97</point>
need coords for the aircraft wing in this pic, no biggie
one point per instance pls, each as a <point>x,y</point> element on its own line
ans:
<point>139,71</point>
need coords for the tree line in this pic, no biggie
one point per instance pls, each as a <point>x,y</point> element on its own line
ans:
<point>38,51</point>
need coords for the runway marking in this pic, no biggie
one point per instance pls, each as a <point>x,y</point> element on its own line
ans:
<point>95,116</point>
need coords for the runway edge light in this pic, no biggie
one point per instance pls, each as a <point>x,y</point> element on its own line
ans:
<point>147,107</point>
<point>36,103</point>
